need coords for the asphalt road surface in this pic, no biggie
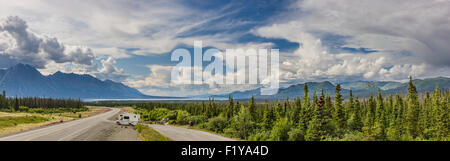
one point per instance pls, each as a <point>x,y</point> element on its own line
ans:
<point>99,127</point>
<point>185,134</point>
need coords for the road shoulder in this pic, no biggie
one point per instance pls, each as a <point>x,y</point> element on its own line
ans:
<point>179,133</point>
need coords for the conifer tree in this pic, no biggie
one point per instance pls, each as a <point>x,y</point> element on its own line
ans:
<point>304,111</point>
<point>313,105</point>
<point>251,107</point>
<point>3,100</point>
<point>380,125</point>
<point>349,107</point>
<point>269,118</point>
<point>328,106</point>
<point>305,96</point>
<point>317,129</point>
<point>236,108</point>
<point>295,114</point>
<point>442,116</point>
<point>339,113</point>
<point>16,104</point>
<point>208,110</point>
<point>369,119</point>
<point>412,110</point>
<point>229,109</point>
<point>355,122</point>
<point>278,110</point>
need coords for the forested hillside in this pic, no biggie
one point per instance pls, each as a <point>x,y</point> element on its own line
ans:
<point>317,116</point>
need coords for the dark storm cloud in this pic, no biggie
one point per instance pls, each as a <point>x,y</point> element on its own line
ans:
<point>27,47</point>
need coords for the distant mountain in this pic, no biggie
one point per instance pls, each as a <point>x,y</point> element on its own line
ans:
<point>359,88</point>
<point>371,86</point>
<point>25,80</point>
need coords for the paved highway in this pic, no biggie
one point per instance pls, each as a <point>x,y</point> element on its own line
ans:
<point>66,131</point>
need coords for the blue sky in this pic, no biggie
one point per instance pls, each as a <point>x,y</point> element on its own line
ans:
<point>131,42</point>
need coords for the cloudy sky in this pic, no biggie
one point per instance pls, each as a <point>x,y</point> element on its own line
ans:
<point>131,41</point>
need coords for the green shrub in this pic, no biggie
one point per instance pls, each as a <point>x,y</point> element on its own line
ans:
<point>280,130</point>
<point>201,125</point>
<point>198,119</point>
<point>216,124</point>
<point>242,125</point>
<point>139,128</point>
<point>182,117</point>
<point>23,109</point>
<point>296,134</point>
<point>158,114</point>
<point>260,136</point>
<point>354,136</point>
<point>172,115</point>
<point>171,122</point>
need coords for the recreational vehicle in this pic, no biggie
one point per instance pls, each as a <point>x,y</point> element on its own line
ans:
<point>128,119</point>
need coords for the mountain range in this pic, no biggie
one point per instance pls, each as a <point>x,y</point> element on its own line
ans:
<point>359,88</point>
<point>24,80</point>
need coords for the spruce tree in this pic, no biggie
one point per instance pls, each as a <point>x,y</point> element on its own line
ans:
<point>304,111</point>
<point>339,113</point>
<point>380,120</point>
<point>412,110</point>
<point>229,108</point>
<point>3,100</point>
<point>369,120</point>
<point>305,96</point>
<point>442,117</point>
<point>16,104</point>
<point>252,107</point>
<point>349,107</point>
<point>317,129</point>
<point>355,122</point>
<point>328,106</point>
<point>294,116</point>
<point>269,118</point>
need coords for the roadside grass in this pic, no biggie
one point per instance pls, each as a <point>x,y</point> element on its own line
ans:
<point>49,119</point>
<point>90,112</point>
<point>195,127</point>
<point>128,109</point>
<point>148,134</point>
<point>13,121</point>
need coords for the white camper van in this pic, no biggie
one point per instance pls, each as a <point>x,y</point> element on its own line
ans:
<point>128,119</point>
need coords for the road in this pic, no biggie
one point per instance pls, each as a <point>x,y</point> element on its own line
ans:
<point>184,134</point>
<point>97,127</point>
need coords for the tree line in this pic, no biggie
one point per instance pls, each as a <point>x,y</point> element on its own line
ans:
<point>415,116</point>
<point>16,104</point>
